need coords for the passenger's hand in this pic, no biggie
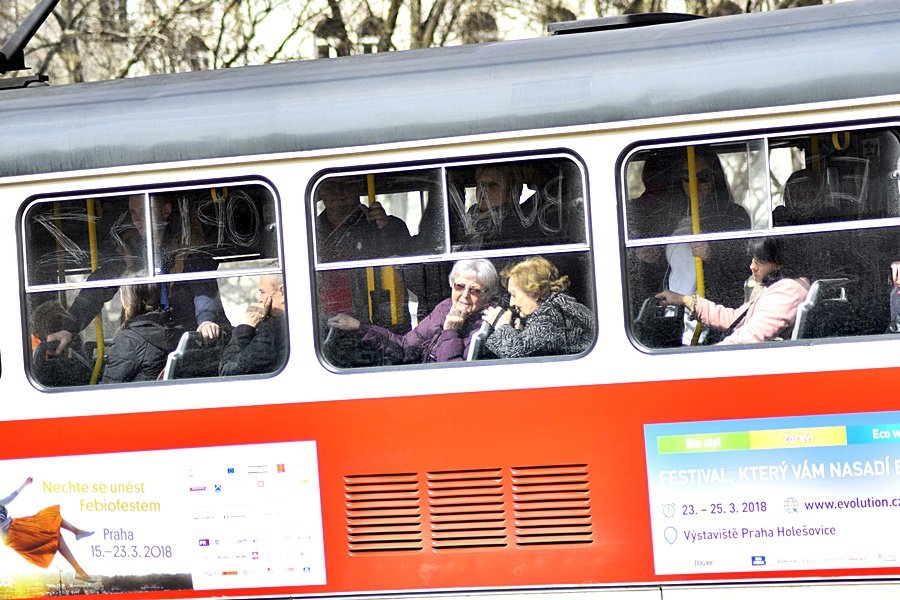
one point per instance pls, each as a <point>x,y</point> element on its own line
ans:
<point>209,330</point>
<point>64,338</point>
<point>343,322</point>
<point>895,272</point>
<point>375,214</point>
<point>670,298</point>
<point>29,481</point>
<point>491,315</point>
<point>700,250</point>
<point>456,317</point>
<point>648,254</point>
<point>258,312</point>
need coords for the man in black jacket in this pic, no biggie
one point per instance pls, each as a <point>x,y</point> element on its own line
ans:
<point>195,304</point>
<point>259,345</point>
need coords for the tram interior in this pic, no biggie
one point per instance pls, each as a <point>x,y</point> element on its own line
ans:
<point>539,206</point>
<point>831,197</point>
<point>75,246</point>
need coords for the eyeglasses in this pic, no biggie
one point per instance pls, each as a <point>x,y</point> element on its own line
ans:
<point>462,288</point>
<point>704,176</point>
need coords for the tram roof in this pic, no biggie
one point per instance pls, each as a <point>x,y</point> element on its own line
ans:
<point>800,55</point>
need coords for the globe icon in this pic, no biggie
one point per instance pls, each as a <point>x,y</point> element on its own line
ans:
<point>791,505</point>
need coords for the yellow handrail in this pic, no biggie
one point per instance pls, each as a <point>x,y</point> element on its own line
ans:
<point>98,324</point>
<point>695,229</point>
<point>389,280</point>
<point>838,144</point>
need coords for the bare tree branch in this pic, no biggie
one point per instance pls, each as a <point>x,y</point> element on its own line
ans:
<point>385,42</point>
<point>434,16</point>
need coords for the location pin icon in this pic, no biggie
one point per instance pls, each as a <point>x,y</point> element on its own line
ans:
<point>671,534</point>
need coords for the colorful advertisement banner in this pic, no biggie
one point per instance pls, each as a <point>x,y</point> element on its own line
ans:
<point>776,494</point>
<point>218,518</point>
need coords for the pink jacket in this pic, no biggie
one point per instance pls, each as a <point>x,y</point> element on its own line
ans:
<point>769,312</point>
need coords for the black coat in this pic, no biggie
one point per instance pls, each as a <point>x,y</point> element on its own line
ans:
<point>191,302</point>
<point>140,349</point>
<point>253,351</point>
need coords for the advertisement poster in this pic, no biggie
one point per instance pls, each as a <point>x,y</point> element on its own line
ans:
<point>775,494</point>
<point>218,518</point>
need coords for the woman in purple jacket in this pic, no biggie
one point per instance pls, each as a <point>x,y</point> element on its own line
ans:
<point>445,334</point>
<point>773,304</point>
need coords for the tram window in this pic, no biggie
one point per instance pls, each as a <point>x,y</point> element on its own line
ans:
<point>371,216</point>
<point>834,176</point>
<point>814,183</point>
<point>393,309</point>
<point>214,251</point>
<point>730,190</point>
<point>390,325</point>
<point>516,204</point>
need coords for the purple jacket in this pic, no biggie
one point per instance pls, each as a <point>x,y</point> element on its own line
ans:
<point>428,342</point>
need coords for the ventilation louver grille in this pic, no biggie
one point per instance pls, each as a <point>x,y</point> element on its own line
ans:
<point>383,512</point>
<point>552,505</point>
<point>467,509</point>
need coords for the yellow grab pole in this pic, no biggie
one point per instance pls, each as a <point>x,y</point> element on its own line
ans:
<point>370,271</point>
<point>695,229</point>
<point>389,280</point>
<point>98,325</point>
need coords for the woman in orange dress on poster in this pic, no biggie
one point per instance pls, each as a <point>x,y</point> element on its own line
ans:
<point>39,537</point>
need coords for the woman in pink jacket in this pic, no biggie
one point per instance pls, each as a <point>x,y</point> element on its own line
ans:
<point>772,308</point>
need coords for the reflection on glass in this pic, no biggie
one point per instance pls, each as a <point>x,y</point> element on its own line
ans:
<point>834,177</point>
<point>660,194</point>
<point>382,215</point>
<point>516,204</point>
<point>846,274</point>
<point>191,232</point>
<point>442,320</point>
<point>68,240</point>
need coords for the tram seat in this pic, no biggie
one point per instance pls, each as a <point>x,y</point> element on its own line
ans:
<point>826,312</point>
<point>476,345</point>
<point>803,196</point>
<point>193,358</point>
<point>659,326</point>
<point>51,370</point>
<point>840,195</point>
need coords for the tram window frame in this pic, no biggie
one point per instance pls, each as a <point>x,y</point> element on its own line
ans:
<point>225,238</point>
<point>872,150</point>
<point>439,263</point>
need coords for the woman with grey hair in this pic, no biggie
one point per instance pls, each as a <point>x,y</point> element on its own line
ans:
<point>445,334</point>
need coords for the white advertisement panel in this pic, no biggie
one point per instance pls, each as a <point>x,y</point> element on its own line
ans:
<point>215,518</point>
<point>775,494</point>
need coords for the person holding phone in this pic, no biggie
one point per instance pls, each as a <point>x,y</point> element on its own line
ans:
<point>259,345</point>
<point>542,320</point>
<point>772,309</point>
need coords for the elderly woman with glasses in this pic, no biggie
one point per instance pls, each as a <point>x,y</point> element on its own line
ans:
<point>445,334</point>
<point>542,319</point>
